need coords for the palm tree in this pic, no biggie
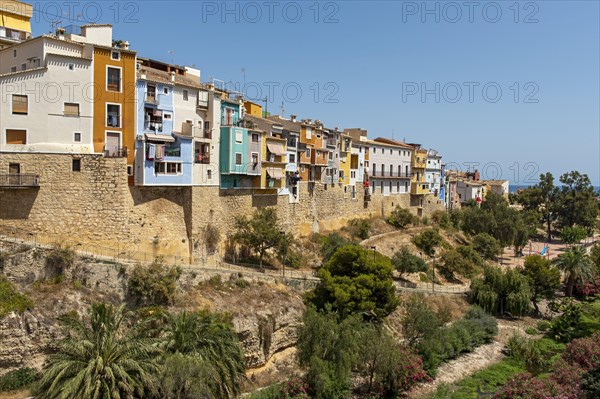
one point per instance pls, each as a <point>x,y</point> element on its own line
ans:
<point>211,341</point>
<point>100,358</point>
<point>576,265</point>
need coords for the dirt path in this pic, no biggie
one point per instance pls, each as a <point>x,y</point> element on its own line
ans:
<point>484,356</point>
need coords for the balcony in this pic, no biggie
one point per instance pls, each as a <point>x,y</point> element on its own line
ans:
<point>202,158</point>
<point>151,99</point>
<point>331,142</point>
<point>19,180</point>
<point>231,121</point>
<point>391,174</point>
<point>114,152</point>
<point>15,35</point>
<point>154,125</point>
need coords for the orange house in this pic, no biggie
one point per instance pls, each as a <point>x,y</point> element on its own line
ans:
<point>114,103</point>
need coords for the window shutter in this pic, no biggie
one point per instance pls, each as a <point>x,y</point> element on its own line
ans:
<point>20,104</point>
<point>71,109</point>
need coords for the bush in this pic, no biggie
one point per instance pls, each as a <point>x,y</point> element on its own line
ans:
<point>211,238</point>
<point>154,285</point>
<point>427,241</point>
<point>502,291</point>
<point>406,262</point>
<point>590,385</point>
<point>12,300</point>
<point>359,228</point>
<point>17,379</point>
<point>401,217</point>
<point>584,352</point>
<point>59,259</point>
<point>441,218</point>
<point>543,325</point>
<point>455,262</point>
<point>486,245</point>
<point>527,352</point>
<point>330,243</point>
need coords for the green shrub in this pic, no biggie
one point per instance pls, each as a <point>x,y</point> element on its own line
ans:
<point>455,262</point>
<point>12,300</point>
<point>401,217</point>
<point>531,331</point>
<point>330,243</point>
<point>486,245</point>
<point>59,259</point>
<point>406,262</point>
<point>423,278</point>
<point>211,238</point>
<point>359,228</point>
<point>425,220</point>
<point>155,284</point>
<point>528,352</point>
<point>17,379</point>
<point>441,218</point>
<point>543,325</point>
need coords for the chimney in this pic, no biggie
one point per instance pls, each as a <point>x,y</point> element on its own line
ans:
<point>293,118</point>
<point>476,175</point>
<point>172,73</point>
<point>125,45</point>
<point>309,121</point>
<point>60,33</point>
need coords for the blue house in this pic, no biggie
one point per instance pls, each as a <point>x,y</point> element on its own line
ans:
<point>163,158</point>
<point>240,151</point>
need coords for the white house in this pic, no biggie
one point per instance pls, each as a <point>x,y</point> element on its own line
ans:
<point>390,165</point>
<point>433,171</point>
<point>46,90</point>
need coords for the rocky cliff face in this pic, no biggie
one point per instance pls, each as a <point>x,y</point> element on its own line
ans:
<point>265,313</point>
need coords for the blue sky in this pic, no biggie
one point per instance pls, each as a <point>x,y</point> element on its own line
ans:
<point>511,86</point>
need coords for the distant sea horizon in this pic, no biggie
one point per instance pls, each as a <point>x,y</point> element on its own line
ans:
<point>513,188</point>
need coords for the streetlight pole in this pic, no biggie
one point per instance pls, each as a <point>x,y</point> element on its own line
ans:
<point>373,248</point>
<point>283,252</point>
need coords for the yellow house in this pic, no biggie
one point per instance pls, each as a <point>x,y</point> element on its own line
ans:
<point>253,109</point>
<point>418,162</point>
<point>114,102</point>
<point>346,158</point>
<point>15,26</point>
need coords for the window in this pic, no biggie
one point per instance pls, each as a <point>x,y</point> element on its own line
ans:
<point>353,174</point>
<point>23,67</point>
<point>374,171</point>
<point>77,137</point>
<point>292,158</point>
<point>169,168</point>
<point>76,165</point>
<point>16,136</point>
<point>308,133</point>
<point>399,170</point>
<point>374,150</point>
<point>254,158</point>
<point>115,55</point>
<point>166,90</point>
<point>71,67</point>
<point>129,170</point>
<point>113,115</point>
<point>173,150</point>
<point>167,116</point>
<point>19,104</point>
<point>307,153</point>
<point>239,136</point>
<point>254,138</point>
<point>14,53</point>
<point>391,170</point>
<point>185,95</point>
<point>113,79</point>
<point>71,109</point>
<point>302,168</point>
<point>13,69</point>
<point>381,186</point>
<point>209,173</point>
<point>391,151</point>
<point>397,187</point>
<point>238,158</point>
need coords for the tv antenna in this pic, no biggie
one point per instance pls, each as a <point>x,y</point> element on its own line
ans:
<point>171,52</point>
<point>282,109</point>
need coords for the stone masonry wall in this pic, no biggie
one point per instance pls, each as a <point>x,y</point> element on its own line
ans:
<point>98,206</point>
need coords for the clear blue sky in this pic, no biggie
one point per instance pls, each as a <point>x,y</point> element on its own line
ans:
<point>371,60</point>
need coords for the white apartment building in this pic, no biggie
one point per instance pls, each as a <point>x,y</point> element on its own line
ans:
<point>46,93</point>
<point>390,166</point>
<point>433,172</point>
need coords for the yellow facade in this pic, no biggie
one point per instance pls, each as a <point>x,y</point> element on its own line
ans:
<point>276,162</point>
<point>124,97</point>
<point>418,163</point>
<point>15,17</point>
<point>346,158</point>
<point>253,109</point>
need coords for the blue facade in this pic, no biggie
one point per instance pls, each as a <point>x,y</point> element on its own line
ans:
<point>162,158</point>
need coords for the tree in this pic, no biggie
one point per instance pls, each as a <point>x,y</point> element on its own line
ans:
<point>405,262</point>
<point>261,232</point>
<point>541,198</point>
<point>356,281</point>
<point>486,245</point>
<point>419,321</point>
<point>328,346</point>
<point>500,292</point>
<point>401,217</point>
<point>525,227</point>
<point>214,353</point>
<point>595,256</point>
<point>543,279</point>
<point>155,284</point>
<point>101,358</point>
<point>453,261</point>
<point>427,241</point>
<point>577,203</point>
<point>573,234</point>
<point>330,243</point>
<point>576,265</point>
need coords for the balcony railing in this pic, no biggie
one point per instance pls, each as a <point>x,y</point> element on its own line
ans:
<point>391,174</point>
<point>152,99</point>
<point>19,180</point>
<point>115,152</point>
<point>15,35</point>
<point>203,158</point>
<point>331,142</point>
<point>230,121</point>
<point>207,134</point>
<point>155,126</point>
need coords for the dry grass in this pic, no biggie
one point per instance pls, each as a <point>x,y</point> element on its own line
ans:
<point>15,394</point>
